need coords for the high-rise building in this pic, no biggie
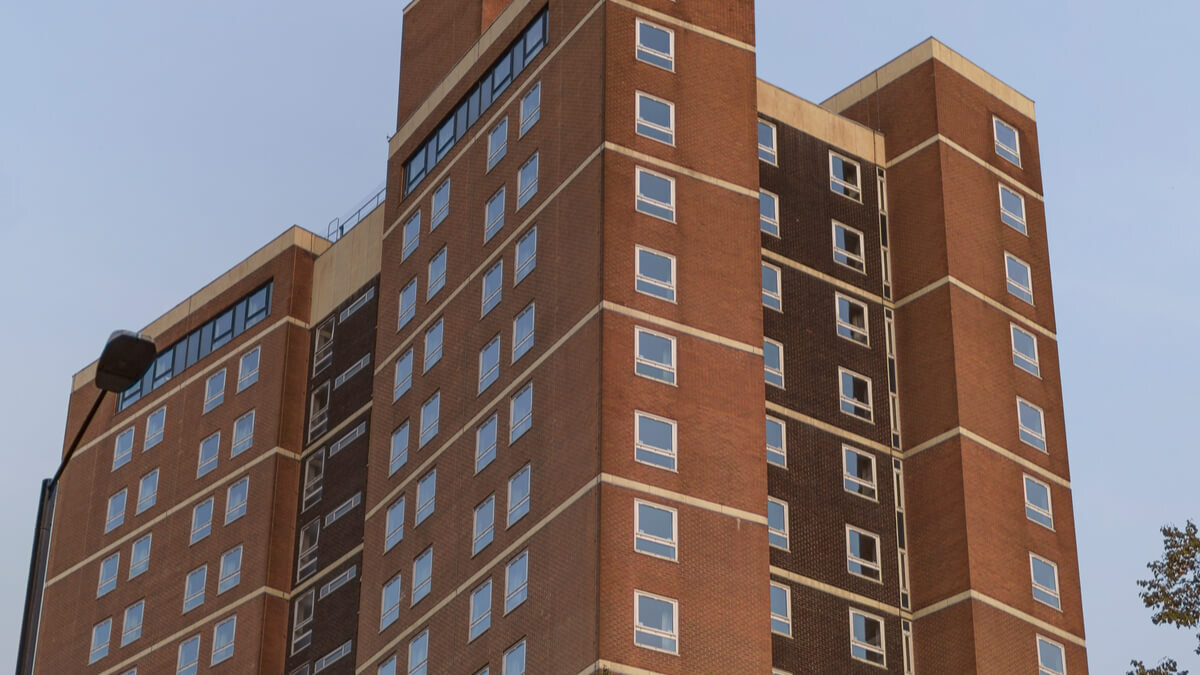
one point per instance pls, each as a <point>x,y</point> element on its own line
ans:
<point>563,403</point>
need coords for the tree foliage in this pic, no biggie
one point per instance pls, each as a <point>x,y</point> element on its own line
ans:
<point>1173,590</point>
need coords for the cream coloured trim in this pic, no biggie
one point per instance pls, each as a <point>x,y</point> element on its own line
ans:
<point>975,293</point>
<point>646,317</point>
<point>683,171</point>
<point>681,498</point>
<point>179,506</point>
<point>1008,180</point>
<point>929,49</point>
<point>825,426</point>
<point>810,118</point>
<point>975,595</point>
<point>322,572</point>
<point>667,18</point>
<point>347,265</point>
<point>913,150</point>
<point>606,666</point>
<point>924,290</point>
<point>801,267</point>
<point>994,447</point>
<point>835,591</point>
<point>323,438</point>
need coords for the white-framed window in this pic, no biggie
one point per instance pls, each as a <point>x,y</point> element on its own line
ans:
<point>139,556</point>
<point>302,616</point>
<point>411,235</point>
<point>108,574</point>
<point>518,495</point>
<point>1019,277</point>
<point>781,610</point>
<point>654,273</point>
<point>243,434</point>
<point>655,622</point>
<point>493,285</point>
<point>655,530</point>
<point>131,624</point>
<point>123,449</point>
<point>433,343</point>
<point>1038,507</point>
<point>497,143</point>
<point>654,355</point>
<point>845,178</point>
<point>156,422</point>
<point>343,508</point>
<point>768,212</point>
<point>772,287</point>
<point>1024,350</point>
<point>441,205</point>
<point>223,637</point>
<point>531,107</point>
<point>858,473</point>
<point>322,345</point>
<point>426,497</point>
<point>1031,424</point>
<point>483,525</point>
<point>527,180</point>
<point>101,634</point>
<point>430,412</point>
<point>773,362</point>
<point>333,656</point>
<point>394,524</point>
<point>655,118</point>
<point>522,340</point>
<point>235,500</point>
<point>848,247</point>
<point>214,390</point>
<point>147,491</point>
<point>389,602</point>
<point>526,255</point>
<point>862,553</point>
<point>202,515</point>
<point>854,392</point>
<point>514,660</point>
<point>520,413</point>
<point>777,523</point>
<point>776,442</point>
<point>248,368</point>
<point>437,274</point>
<point>398,453</point>
<point>655,194</point>
<point>767,144</point>
<point>852,320</point>
<point>386,668</point>
<point>318,411</point>
<point>116,511</point>
<point>418,654</point>
<point>1008,144</point>
<point>1052,657</point>
<point>193,588</point>
<point>209,454</point>
<point>188,661</point>
<point>493,213</point>
<point>516,581</point>
<point>481,610</point>
<point>655,440</point>
<point>422,575</point>
<point>655,45</point>
<point>489,364</point>
<point>867,638</point>
<point>1044,576</point>
<point>1012,209</point>
<point>343,578</point>
<point>402,377</point>
<point>408,303</point>
<point>485,442</point>
<point>231,569</point>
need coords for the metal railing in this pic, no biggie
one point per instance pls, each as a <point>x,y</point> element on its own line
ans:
<point>339,226</point>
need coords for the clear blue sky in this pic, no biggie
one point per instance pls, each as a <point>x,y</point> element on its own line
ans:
<point>178,137</point>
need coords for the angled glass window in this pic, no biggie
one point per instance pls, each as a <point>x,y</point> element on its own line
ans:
<point>209,454</point>
<point>772,287</point>
<point>101,634</point>
<point>855,395</point>
<point>441,205</point>
<point>202,515</point>
<point>489,363</point>
<point>844,177</point>
<point>531,107</point>
<point>527,181</point>
<point>116,511</point>
<point>776,442</point>
<point>235,500</point>
<point>139,556</point>
<point>437,274</point>
<point>398,453</point>
<point>243,434</point>
<point>1037,502</point>
<point>523,324</point>
<point>306,560</point>
<point>518,495</point>
<point>848,247</point>
<point>214,390</point>
<point>223,637</point>
<point>429,418</point>
<point>193,591</point>
<point>481,610</point>
<point>131,625</point>
<point>155,423</point>
<point>516,581</point>
<point>858,473</point>
<point>1012,209</point>
<point>654,273</point>
<point>1008,144</point>
<point>655,530</point>
<point>655,45</point>
<point>123,450</point>
<point>1031,424</point>
<point>389,603</point>
<point>655,194</point>
<point>1024,350</point>
<point>1045,581</point>
<point>514,660</point>
<point>526,255</point>
<point>189,656</point>
<point>781,610</point>
<point>1020,280</point>
<point>852,320</point>
<point>494,214</point>
<point>426,497</point>
<point>520,417</point>
<point>768,212</point>
<point>394,525</point>
<point>231,570</point>
<point>655,118</point>
<point>108,574</point>
<point>656,622</point>
<point>655,440</point>
<point>1052,659</point>
<point>767,151</point>
<point>147,491</point>
<point>403,376</point>
<point>483,525</point>
<point>773,362</point>
<point>493,284</point>
<point>866,638</point>
<point>408,303</point>
<point>485,442</point>
<point>777,523</point>
<point>323,345</point>
<point>422,575</point>
<point>654,355</point>
<point>433,343</point>
<point>497,143</point>
<point>411,234</point>
<point>862,553</point>
<point>248,368</point>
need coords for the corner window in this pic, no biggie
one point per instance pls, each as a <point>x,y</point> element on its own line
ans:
<point>433,344</point>
<point>243,434</point>
<point>520,417</point>
<point>398,452</point>
<point>654,274</point>
<point>485,442</point>
<point>437,274</point>
<point>862,553</point>
<point>248,368</point>
<point>531,107</point>
<point>101,634</point>
<point>776,442</point>
<point>493,214</point>
<point>493,284</point>
<point>516,582</point>
<point>214,390</point>
<point>202,515</point>
<point>772,287</point>
<point>1020,280</point>
<point>654,355</point>
<point>848,247</point>
<point>131,625</point>
<point>777,523</point>
<point>403,376</point>
<point>411,234</point>
<point>116,511</point>
<point>155,424</point>
<point>781,610</point>
<point>418,654</point>
<point>1012,209</point>
<point>497,143</point>
<point>408,303</point>
<point>422,575</point>
<point>1045,581</point>
<point>189,656</point>
<point>526,255</point>
<point>655,195</point>
<point>852,320</point>
<point>483,525</point>
<point>139,556</point>
<point>108,574</point>
<point>235,500</point>
<point>193,592</point>
<point>441,205</point>
<point>1031,424</point>
<point>655,45</point>
<point>773,362</point>
<point>527,181</point>
<point>394,525</point>
<point>147,491</point>
<point>858,473</point>
<point>1037,502</point>
<point>223,636</point>
<point>655,118</point>
<point>766,142</point>
<point>489,364</point>
<point>389,602</point>
<point>768,212</point>
<point>518,495</point>
<point>231,570</point>
<point>480,610</point>
<point>655,440</point>
<point>1052,658</point>
<point>855,395</point>
<point>123,450</point>
<point>866,638</point>
<point>655,620</point>
<point>844,177</point>
<point>1008,144</point>
<point>426,497</point>
<point>522,339</point>
<point>429,418</point>
<point>655,530</point>
<point>1024,350</point>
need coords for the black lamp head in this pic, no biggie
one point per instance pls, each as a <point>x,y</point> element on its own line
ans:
<point>124,360</point>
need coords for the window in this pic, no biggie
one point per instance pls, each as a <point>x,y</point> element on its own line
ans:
<point>441,205</point>
<point>1030,424</point>
<point>485,442</point>
<point>655,530</point>
<point>772,287</point>
<point>1007,144</point>
<point>1045,581</point>
<point>523,332</point>
<point>314,474</point>
<point>852,320</point>
<point>531,107</point>
<point>766,142</point>
<point>781,610</point>
<point>394,526</point>
<point>429,418</point>
<point>302,616</point>
<point>101,633</point>
<point>497,143</point>
<point>403,377</point>
<point>235,500</point>
<point>655,441</point>
<point>858,473</point>
<point>489,363</point>
<point>773,362</point>
<point>1024,350</point>
<point>484,524</point>
<point>243,434</point>
<point>306,561</point>
<point>193,589</point>
<point>1052,658</point>
<point>768,213</point>
<point>844,177</point>
<point>333,656</point>
<point>1037,502</point>
<point>848,247</point>
<point>514,660</point>
<point>108,574</point>
<point>323,346</point>
<point>526,255</point>
<point>862,553</point>
<point>1012,209</point>
<point>518,495</point>
<point>433,344</point>
<point>493,281</point>
<point>131,625</point>
<point>655,621</point>
<point>214,390</point>
<point>516,581</point>
<point>411,235</point>
<point>389,605</point>
<point>209,452</point>
<point>408,303</point>
<point>520,413</point>
<point>248,368</point>
<point>340,580</point>
<point>147,491</point>
<point>123,451</point>
<point>655,118</point>
<point>1020,279</point>
<point>866,638</point>
<point>386,668</point>
<point>426,497</point>
<point>422,575</point>
<point>527,181</point>
<point>231,570</point>
<point>655,273</point>
<point>655,195</point>
<point>155,424</point>
<point>655,355</point>
<point>398,455</point>
<point>437,274</point>
<point>777,523</point>
<point>494,215</point>
<point>223,635</point>
<point>655,45</point>
<point>116,511</point>
<point>418,654</point>
<point>318,411</point>
<point>139,556</point>
<point>481,610</point>
<point>855,392</point>
<point>776,442</point>
<point>189,656</point>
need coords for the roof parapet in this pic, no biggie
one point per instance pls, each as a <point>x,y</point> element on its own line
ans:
<point>812,119</point>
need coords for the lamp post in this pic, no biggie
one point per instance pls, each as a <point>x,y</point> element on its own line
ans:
<point>126,357</point>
